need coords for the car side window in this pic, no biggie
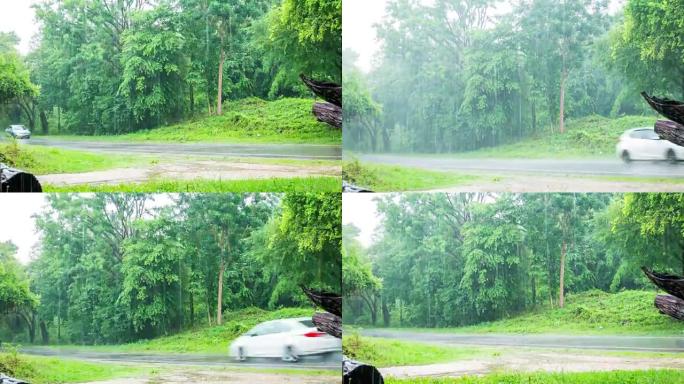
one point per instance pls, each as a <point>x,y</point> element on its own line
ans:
<point>651,135</point>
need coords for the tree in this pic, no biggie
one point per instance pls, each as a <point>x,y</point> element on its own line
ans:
<point>648,48</point>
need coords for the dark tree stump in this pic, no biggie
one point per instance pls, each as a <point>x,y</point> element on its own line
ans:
<point>674,285</point>
<point>672,109</point>
<point>671,306</point>
<point>330,92</point>
<point>328,113</point>
<point>357,373</point>
<point>14,180</point>
<point>670,131</point>
<point>331,302</point>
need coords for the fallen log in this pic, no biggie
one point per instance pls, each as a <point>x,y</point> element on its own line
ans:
<point>671,306</point>
<point>670,131</point>
<point>330,92</point>
<point>328,113</point>
<point>14,180</point>
<point>328,323</point>
<point>330,302</point>
<point>672,109</point>
<point>674,285</point>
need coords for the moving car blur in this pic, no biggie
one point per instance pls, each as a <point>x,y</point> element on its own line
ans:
<point>287,339</point>
<point>645,144</point>
<point>18,132</point>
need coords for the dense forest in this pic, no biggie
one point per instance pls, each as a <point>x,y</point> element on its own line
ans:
<point>459,259</point>
<point>116,66</point>
<point>113,268</point>
<point>458,75</point>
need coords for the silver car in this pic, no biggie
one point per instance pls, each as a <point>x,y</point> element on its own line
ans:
<point>18,132</point>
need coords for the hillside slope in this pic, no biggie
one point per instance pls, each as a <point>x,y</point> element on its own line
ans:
<point>592,136</point>
<point>596,312</point>
<point>249,120</point>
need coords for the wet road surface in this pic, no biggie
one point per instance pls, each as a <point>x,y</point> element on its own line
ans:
<point>590,167</point>
<point>307,362</point>
<point>284,151</point>
<point>609,343</point>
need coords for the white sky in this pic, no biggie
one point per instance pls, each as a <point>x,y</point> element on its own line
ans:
<point>360,209</point>
<point>18,16</point>
<point>16,221</point>
<point>360,16</point>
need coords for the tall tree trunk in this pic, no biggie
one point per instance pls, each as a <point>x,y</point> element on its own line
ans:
<point>385,313</point>
<point>192,310</point>
<point>219,102</point>
<point>59,119</point>
<point>44,335</point>
<point>561,293</point>
<point>44,122</point>
<point>564,76</point>
<point>534,292</point>
<point>219,302</point>
<point>192,101</point>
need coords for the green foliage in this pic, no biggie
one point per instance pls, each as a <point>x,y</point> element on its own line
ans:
<point>249,120</point>
<point>591,136</point>
<point>303,36</point>
<point>44,160</point>
<point>595,312</point>
<point>43,370</point>
<point>612,377</point>
<point>386,178</point>
<point>458,76</point>
<point>296,184</point>
<point>392,353</point>
<point>647,48</point>
<point>304,244</point>
<point>173,263</point>
<point>14,78</point>
<point>466,259</point>
<point>128,66</point>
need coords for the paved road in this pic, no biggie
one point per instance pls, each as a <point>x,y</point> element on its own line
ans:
<point>286,151</point>
<point>313,362</point>
<point>617,343</point>
<point>535,166</point>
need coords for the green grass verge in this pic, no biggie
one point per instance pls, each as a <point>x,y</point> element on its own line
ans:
<point>614,377</point>
<point>386,178</point>
<point>593,312</point>
<point>386,353</point>
<point>44,160</point>
<point>44,370</point>
<point>205,339</point>
<point>592,136</point>
<point>303,184</point>
<point>250,120</point>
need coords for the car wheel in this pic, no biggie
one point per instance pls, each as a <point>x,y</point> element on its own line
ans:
<point>289,355</point>
<point>671,156</point>
<point>625,157</point>
<point>241,354</point>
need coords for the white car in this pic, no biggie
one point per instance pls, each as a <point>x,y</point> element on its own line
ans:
<point>287,339</point>
<point>18,132</point>
<point>645,144</point>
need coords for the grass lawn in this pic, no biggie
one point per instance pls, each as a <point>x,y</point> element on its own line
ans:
<point>205,339</point>
<point>385,178</point>
<point>614,377</point>
<point>592,136</point>
<point>44,370</point>
<point>593,312</point>
<point>302,184</point>
<point>44,160</point>
<point>251,120</point>
<point>386,353</point>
